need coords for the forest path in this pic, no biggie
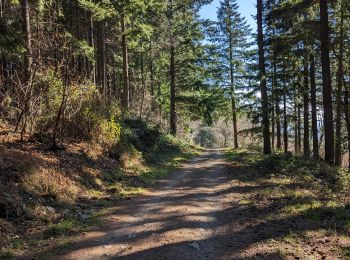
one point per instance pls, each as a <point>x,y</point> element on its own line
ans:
<point>196,213</point>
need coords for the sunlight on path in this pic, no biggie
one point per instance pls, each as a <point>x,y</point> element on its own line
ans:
<point>180,214</point>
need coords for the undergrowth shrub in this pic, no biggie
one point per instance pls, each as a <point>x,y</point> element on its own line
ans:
<point>138,134</point>
<point>311,170</point>
<point>50,184</point>
<point>96,121</point>
<point>139,141</point>
<point>13,164</point>
<point>11,203</point>
<point>86,115</point>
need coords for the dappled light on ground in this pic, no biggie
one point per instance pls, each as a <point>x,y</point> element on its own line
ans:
<point>214,209</point>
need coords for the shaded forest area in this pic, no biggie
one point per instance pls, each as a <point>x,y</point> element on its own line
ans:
<point>99,99</point>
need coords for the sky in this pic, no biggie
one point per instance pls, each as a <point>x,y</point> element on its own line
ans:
<point>246,7</point>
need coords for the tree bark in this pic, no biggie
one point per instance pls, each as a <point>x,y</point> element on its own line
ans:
<point>295,121</point>
<point>299,128</point>
<point>28,60</point>
<point>28,41</point>
<point>151,69</point>
<point>277,106</point>
<point>92,64</point>
<point>172,92</point>
<point>327,83</point>
<point>233,97</point>
<point>272,108</point>
<point>143,84</point>
<point>126,90</point>
<point>315,149</point>
<point>340,72</point>
<point>62,105</point>
<point>306,140</point>
<point>262,78</point>
<point>347,120</point>
<point>285,122</point>
<point>172,72</point>
<point>101,57</point>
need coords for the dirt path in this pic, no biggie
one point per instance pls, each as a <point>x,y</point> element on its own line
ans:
<point>181,218</point>
<point>199,212</point>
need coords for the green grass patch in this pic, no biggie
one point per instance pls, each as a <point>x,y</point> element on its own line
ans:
<point>303,187</point>
<point>244,202</point>
<point>302,207</point>
<point>14,245</point>
<point>63,228</point>
<point>345,251</point>
<point>291,238</point>
<point>333,211</point>
<point>317,174</point>
<point>163,165</point>
<point>69,227</point>
<point>243,156</point>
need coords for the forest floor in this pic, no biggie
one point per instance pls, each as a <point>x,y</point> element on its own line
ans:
<point>49,198</point>
<point>221,206</point>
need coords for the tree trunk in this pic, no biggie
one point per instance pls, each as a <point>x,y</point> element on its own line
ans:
<point>338,125</point>
<point>262,78</point>
<point>172,73</point>
<point>285,123</point>
<point>233,97</point>
<point>347,120</point>
<point>151,69</point>
<point>299,128</point>
<point>62,105</point>
<point>315,149</point>
<point>126,90</point>
<point>28,41</point>
<point>1,8</point>
<point>306,110</point>
<point>340,72</point>
<point>295,121</point>
<point>327,83</point>
<point>172,91</point>
<point>273,134</point>
<point>101,57</point>
<point>28,60</point>
<point>91,70</point>
<point>277,106</point>
<point>143,84</point>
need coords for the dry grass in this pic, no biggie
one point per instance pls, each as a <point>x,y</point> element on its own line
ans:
<point>15,163</point>
<point>44,191</point>
<point>51,184</point>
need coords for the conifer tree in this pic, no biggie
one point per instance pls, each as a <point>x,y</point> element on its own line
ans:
<point>232,39</point>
